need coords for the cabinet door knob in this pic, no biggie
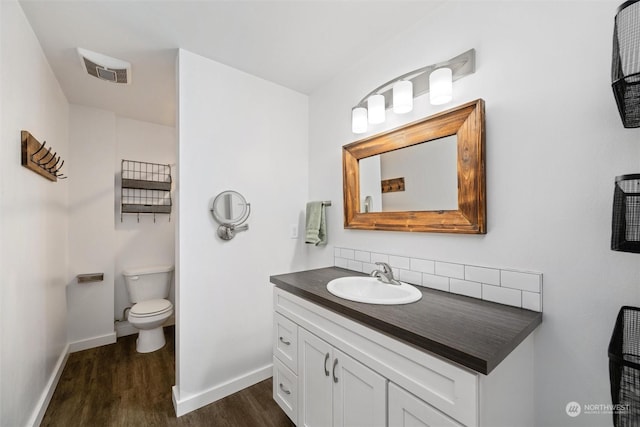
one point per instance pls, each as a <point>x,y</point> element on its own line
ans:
<point>284,390</point>
<point>335,378</point>
<point>326,359</point>
<point>285,342</point>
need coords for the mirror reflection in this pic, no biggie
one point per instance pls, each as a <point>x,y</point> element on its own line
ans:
<point>421,177</point>
<point>229,207</point>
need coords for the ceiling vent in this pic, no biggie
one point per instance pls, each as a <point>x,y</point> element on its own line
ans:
<point>105,67</point>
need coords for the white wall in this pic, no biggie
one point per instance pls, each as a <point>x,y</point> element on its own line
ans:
<point>242,133</point>
<point>554,145</point>
<point>33,227</point>
<point>91,230</point>
<point>99,241</point>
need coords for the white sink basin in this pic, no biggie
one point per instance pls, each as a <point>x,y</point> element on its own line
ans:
<point>373,291</point>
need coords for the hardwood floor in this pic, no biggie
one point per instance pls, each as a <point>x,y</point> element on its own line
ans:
<point>114,385</point>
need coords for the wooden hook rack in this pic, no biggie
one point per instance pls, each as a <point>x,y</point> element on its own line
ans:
<point>38,158</point>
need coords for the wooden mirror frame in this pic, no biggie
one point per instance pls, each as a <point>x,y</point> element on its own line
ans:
<point>467,123</point>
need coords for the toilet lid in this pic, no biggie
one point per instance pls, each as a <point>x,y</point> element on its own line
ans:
<point>151,307</point>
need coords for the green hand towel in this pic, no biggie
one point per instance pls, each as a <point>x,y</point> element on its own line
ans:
<point>316,227</point>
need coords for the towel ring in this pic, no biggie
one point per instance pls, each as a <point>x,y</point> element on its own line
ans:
<point>230,210</point>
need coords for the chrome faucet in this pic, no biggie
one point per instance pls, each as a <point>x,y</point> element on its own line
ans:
<point>385,275</point>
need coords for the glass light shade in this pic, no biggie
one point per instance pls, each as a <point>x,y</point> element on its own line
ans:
<point>402,97</point>
<point>359,120</point>
<point>440,86</point>
<point>375,106</point>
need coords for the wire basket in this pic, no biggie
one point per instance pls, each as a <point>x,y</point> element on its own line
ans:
<point>625,224</point>
<point>625,63</point>
<point>146,187</point>
<point>624,367</point>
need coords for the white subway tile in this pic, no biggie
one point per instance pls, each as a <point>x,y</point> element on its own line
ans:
<point>435,282</point>
<point>448,269</point>
<point>379,258</point>
<point>368,268</point>
<point>482,275</point>
<point>347,253</point>
<point>532,301</point>
<point>399,262</point>
<point>502,295</point>
<point>462,287</point>
<point>516,288</point>
<point>422,265</point>
<point>354,265</point>
<point>413,277</point>
<point>362,256</point>
<point>341,262</point>
<point>519,280</point>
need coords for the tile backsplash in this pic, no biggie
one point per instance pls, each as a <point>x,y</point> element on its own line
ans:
<point>505,286</point>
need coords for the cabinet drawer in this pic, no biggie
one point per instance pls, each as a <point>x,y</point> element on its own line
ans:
<point>285,389</point>
<point>407,410</point>
<point>285,344</point>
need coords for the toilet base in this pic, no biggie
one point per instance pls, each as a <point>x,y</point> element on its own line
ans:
<point>150,340</point>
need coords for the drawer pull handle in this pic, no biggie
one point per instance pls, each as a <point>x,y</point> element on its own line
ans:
<point>283,341</point>
<point>284,390</point>
<point>335,363</point>
<point>326,359</point>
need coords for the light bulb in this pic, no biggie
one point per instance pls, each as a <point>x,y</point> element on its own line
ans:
<point>402,97</point>
<point>440,86</point>
<point>359,120</point>
<point>375,106</point>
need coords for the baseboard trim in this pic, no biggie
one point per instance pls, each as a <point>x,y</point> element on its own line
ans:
<point>43,403</point>
<point>193,402</point>
<point>124,328</point>
<point>109,338</point>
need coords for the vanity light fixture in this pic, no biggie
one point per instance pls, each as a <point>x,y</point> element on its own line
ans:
<point>376,109</point>
<point>402,96</point>
<point>399,93</point>
<point>359,120</point>
<point>441,85</point>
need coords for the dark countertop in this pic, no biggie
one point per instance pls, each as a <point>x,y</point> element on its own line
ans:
<point>474,333</point>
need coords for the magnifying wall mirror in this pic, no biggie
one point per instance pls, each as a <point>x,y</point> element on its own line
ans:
<point>426,176</point>
<point>230,210</point>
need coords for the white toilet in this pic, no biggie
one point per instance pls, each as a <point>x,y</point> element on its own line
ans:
<point>149,289</point>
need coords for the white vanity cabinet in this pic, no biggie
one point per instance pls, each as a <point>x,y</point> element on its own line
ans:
<point>335,390</point>
<point>343,373</point>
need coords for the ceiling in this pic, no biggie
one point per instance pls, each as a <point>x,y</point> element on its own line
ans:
<point>297,44</point>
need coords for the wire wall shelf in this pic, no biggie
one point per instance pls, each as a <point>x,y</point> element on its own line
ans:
<point>146,188</point>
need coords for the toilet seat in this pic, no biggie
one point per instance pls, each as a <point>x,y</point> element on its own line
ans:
<point>153,307</point>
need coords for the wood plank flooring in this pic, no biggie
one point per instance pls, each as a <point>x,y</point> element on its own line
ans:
<point>114,385</point>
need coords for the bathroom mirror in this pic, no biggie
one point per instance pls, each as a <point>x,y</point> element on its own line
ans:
<point>230,210</point>
<point>449,197</point>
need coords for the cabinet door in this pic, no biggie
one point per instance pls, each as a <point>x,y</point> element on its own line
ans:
<point>359,394</point>
<point>406,410</point>
<point>315,387</point>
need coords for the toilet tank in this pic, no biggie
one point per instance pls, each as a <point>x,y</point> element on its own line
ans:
<point>148,283</point>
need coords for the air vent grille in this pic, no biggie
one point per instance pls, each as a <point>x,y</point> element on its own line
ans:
<point>103,73</point>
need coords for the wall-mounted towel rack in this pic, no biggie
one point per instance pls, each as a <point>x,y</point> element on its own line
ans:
<point>40,159</point>
<point>326,203</point>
